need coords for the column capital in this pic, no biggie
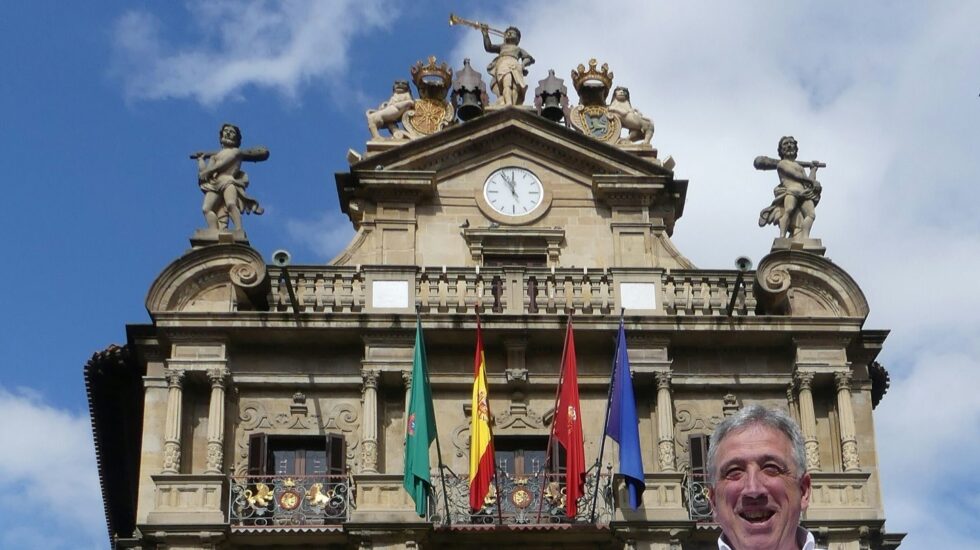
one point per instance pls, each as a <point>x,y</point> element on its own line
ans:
<point>218,376</point>
<point>804,379</point>
<point>175,377</point>
<point>370,377</point>
<point>407,379</point>
<point>842,379</point>
<point>663,380</point>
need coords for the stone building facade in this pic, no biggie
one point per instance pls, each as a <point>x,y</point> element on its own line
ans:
<point>265,406</point>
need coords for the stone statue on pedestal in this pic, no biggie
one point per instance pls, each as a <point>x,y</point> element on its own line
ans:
<point>222,181</point>
<point>509,68</point>
<point>640,127</point>
<point>390,112</point>
<point>793,209</point>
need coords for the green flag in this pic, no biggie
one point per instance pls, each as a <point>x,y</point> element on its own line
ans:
<point>420,430</point>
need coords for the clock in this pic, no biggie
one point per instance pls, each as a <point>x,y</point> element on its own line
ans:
<point>513,191</point>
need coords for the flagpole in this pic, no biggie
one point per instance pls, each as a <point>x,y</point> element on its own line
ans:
<point>496,474</point>
<point>442,473</point>
<point>551,434</point>
<point>605,422</point>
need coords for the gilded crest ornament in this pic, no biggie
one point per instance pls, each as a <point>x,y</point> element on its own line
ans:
<point>431,112</point>
<point>592,116</point>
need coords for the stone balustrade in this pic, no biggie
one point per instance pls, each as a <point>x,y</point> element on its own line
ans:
<point>507,290</point>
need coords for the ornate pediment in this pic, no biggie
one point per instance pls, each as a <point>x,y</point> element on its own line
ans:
<point>215,278</point>
<point>462,143</point>
<point>802,284</point>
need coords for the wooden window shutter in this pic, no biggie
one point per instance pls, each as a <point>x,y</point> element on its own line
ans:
<point>257,454</point>
<point>337,454</point>
<point>699,455</point>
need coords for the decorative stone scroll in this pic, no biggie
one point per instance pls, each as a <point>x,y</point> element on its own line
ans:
<point>790,282</point>
<point>212,278</point>
<point>256,416</point>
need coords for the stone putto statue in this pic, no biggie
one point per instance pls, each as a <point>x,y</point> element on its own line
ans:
<point>222,181</point>
<point>509,68</point>
<point>794,207</point>
<point>640,127</point>
<point>390,112</point>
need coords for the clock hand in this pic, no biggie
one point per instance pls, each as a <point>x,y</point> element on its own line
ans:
<point>510,183</point>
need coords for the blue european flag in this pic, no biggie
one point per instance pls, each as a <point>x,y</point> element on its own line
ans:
<point>622,425</point>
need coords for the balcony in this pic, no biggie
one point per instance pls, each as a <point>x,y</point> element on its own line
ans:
<point>509,290</point>
<point>698,500</point>
<point>289,501</point>
<point>522,500</point>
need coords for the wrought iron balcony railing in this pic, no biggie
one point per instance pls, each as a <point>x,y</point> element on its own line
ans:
<point>535,499</point>
<point>289,501</point>
<point>698,501</point>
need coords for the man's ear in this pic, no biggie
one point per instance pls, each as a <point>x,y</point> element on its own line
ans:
<point>805,483</point>
<point>711,497</point>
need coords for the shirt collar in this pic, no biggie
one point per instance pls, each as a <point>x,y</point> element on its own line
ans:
<point>801,535</point>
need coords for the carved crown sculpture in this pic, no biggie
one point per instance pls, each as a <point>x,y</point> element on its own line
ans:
<point>593,78</point>
<point>431,80</point>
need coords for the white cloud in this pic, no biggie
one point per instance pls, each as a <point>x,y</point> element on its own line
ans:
<point>49,464</point>
<point>886,96</point>
<point>278,45</point>
<point>928,451</point>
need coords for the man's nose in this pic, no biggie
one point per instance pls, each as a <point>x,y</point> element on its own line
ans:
<point>754,486</point>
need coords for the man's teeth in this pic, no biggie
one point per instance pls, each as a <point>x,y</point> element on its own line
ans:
<point>757,515</point>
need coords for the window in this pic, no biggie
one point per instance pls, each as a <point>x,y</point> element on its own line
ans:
<point>699,456</point>
<point>292,480</point>
<point>525,455</point>
<point>698,503</point>
<point>290,455</point>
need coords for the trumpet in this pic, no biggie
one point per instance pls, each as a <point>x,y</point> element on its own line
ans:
<point>457,20</point>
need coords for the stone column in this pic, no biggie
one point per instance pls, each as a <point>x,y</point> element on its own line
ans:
<point>845,415</point>
<point>171,441</point>
<point>216,421</point>
<point>665,423</point>
<point>369,426</point>
<point>407,379</point>
<point>808,421</point>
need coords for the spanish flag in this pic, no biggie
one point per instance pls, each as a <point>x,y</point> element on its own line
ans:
<point>481,442</point>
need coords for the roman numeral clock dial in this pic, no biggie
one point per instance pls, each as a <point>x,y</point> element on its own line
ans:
<point>513,191</point>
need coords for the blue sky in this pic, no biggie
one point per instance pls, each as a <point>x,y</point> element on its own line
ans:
<point>103,101</point>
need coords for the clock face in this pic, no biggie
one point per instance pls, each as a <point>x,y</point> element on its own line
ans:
<point>513,191</point>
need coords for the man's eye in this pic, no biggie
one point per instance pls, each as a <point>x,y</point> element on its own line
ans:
<point>734,473</point>
<point>772,469</point>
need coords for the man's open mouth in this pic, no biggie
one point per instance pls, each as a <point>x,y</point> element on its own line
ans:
<point>756,516</point>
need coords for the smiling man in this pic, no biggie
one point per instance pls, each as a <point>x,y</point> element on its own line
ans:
<point>759,484</point>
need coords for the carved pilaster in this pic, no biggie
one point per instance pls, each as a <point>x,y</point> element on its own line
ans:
<point>171,441</point>
<point>808,420</point>
<point>369,434</point>
<point>216,421</point>
<point>845,415</point>
<point>665,423</point>
<point>729,405</point>
<point>407,380</point>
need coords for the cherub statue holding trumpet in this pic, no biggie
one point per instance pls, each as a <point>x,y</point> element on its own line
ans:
<point>509,68</point>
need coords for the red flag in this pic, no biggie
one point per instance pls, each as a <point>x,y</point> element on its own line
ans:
<point>567,428</point>
<point>481,441</point>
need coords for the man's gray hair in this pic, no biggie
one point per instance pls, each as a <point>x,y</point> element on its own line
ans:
<point>752,415</point>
